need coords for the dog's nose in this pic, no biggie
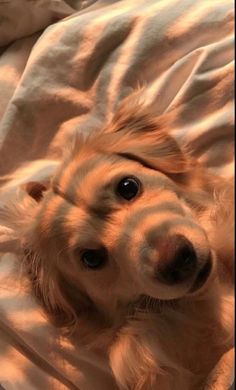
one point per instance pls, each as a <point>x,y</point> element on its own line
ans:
<point>177,260</point>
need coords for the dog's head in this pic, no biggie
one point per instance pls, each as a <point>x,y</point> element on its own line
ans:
<point>119,220</point>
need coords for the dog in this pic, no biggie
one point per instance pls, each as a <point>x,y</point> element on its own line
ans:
<point>129,250</point>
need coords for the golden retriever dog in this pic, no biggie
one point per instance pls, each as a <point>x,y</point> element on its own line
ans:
<point>129,249</point>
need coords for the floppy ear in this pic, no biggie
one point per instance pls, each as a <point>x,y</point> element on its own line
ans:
<point>62,303</point>
<point>135,132</point>
<point>132,360</point>
<point>36,189</point>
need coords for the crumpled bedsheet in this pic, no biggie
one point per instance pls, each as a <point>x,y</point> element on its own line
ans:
<point>64,68</point>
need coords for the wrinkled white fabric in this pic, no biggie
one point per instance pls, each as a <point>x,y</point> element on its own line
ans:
<point>19,18</point>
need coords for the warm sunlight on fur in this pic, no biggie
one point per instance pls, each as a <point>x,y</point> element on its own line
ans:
<point>130,250</point>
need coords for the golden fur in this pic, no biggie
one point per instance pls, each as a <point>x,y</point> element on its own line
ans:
<point>156,335</point>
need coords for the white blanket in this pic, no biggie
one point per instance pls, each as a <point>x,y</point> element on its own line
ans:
<point>69,78</point>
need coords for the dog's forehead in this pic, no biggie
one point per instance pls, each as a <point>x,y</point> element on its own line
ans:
<point>87,177</point>
<point>67,224</point>
<point>90,178</point>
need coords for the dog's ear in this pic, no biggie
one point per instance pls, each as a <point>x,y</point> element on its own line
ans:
<point>132,360</point>
<point>62,303</point>
<point>36,189</point>
<point>135,132</point>
<point>65,304</point>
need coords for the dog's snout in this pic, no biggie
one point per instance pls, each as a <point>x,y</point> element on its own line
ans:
<point>177,260</point>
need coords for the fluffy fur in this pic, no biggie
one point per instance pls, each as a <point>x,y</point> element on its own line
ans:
<point>155,335</point>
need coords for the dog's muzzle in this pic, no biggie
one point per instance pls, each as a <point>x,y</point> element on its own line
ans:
<point>202,275</point>
<point>177,261</point>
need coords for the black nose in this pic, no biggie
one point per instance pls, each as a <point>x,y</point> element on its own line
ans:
<point>177,260</point>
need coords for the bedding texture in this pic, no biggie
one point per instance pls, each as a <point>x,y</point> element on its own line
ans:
<point>64,68</point>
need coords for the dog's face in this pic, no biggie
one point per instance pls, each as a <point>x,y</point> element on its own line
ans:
<point>117,223</point>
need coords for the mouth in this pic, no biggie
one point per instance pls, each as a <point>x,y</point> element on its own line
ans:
<point>202,276</point>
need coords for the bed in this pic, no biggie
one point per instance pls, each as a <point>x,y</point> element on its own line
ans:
<point>64,67</point>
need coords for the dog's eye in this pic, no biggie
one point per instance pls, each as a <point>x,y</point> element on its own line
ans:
<point>128,188</point>
<point>94,259</point>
